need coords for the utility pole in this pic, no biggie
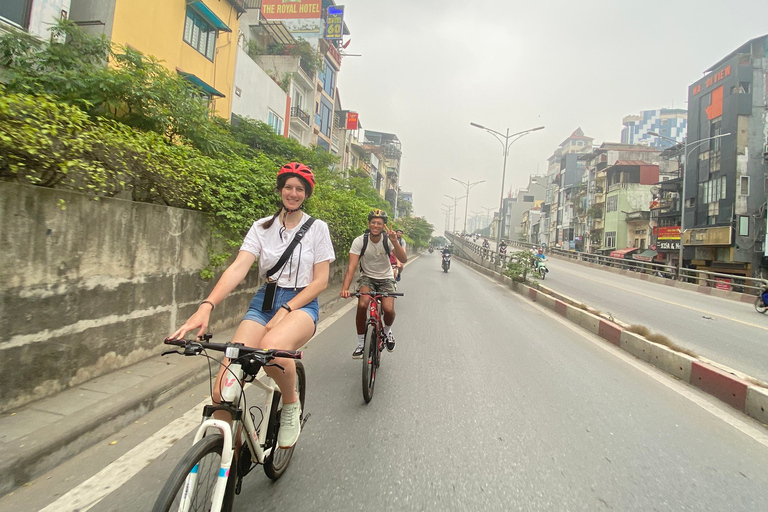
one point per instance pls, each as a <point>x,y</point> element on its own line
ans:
<point>447,210</point>
<point>468,186</point>
<point>455,200</point>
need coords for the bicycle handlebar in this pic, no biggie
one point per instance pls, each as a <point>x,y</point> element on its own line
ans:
<point>266,354</point>
<point>379,294</point>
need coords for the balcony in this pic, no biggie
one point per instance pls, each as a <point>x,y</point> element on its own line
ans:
<point>392,151</point>
<point>300,115</point>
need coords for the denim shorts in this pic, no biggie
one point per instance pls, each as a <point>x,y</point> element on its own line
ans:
<point>282,295</point>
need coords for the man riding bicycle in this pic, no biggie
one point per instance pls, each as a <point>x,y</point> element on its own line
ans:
<point>370,251</point>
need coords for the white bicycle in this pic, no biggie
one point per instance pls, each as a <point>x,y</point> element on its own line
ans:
<point>203,480</point>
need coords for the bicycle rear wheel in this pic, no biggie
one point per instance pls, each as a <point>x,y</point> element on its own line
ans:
<point>370,360</point>
<point>202,464</point>
<point>277,461</point>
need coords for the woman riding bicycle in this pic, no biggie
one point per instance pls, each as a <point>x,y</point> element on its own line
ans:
<point>290,321</point>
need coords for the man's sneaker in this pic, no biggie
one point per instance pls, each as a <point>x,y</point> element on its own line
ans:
<point>358,353</point>
<point>398,278</point>
<point>290,425</point>
<point>390,341</point>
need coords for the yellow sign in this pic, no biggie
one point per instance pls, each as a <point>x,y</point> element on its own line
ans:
<point>708,236</point>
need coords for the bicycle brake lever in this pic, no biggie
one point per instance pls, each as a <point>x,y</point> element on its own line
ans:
<point>171,352</point>
<point>275,365</point>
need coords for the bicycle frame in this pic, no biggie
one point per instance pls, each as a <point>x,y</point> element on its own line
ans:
<point>254,438</point>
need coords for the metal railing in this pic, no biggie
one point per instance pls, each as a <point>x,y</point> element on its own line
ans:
<point>300,114</point>
<point>727,282</point>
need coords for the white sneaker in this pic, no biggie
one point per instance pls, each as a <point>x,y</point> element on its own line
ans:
<point>358,353</point>
<point>290,425</point>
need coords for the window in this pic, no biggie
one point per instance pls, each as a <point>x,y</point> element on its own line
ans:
<point>610,239</point>
<point>527,199</point>
<point>715,129</point>
<point>612,204</point>
<point>743,225</point>
<point>328,78</point>
<point>326,115</point>
<point>16,11</point>
<point>744,185</point>
<point>199,34</point>
<point>276,122</point>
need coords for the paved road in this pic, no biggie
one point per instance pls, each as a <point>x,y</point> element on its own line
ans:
<point>725,331</point>
<point>488,403</point>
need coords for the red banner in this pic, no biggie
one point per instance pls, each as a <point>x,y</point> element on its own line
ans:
<point>668,233</point>
<point>352,120</point>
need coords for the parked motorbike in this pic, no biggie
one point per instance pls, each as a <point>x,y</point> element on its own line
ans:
<point>761,302</point>
<point>446,262</point>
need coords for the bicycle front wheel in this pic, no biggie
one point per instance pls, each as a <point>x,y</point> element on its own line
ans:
<point>194,479</point>
<point>370,355</point>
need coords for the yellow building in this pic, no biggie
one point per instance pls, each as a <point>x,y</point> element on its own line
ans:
<point>196,38</point>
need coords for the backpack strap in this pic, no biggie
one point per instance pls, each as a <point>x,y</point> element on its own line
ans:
<point>289,250</point>
<point>365,245</point>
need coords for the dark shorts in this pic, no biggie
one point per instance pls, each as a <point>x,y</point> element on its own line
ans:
<point>377,285</point>
<point>282,295</point>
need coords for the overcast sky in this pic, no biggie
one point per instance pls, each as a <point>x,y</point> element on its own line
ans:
<point>430,67</point>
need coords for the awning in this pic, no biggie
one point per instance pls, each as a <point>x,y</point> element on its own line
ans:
<point>278,31</point>
<point>208,15</point>
<point>198,82</point>
<point>622,253</point>
<point>645,255</point>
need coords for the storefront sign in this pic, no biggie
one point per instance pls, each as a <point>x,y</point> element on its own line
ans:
<point>291,9</point>
<point>708,236</point>
<point>334,22</point>
<point>668,245</point>
<point>723,283</point>
<point>668,233</point>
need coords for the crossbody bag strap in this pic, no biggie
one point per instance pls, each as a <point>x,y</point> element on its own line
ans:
<point>289,250</point>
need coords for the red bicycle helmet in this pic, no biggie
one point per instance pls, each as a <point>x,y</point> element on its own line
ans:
<point>299,170</point>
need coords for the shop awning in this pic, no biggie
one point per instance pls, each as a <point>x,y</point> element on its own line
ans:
<point>204,11</point>
<point>198,82</point>
<point>648,255</point>
<point>622,253</point>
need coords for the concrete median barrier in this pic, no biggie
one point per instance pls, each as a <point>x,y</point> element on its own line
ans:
<point>757,404</point>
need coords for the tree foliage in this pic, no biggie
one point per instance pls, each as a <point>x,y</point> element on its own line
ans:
<point>417,230</point>
<point>135,130</point>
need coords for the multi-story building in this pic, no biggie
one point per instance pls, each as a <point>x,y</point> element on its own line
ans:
<point>197,39</point>
<point>520,202</point>
<point>389,150</point>
<point>670,123</point>
<point>627,206</point>
<point>592,194</point>
<point>724,226</point>
<point>562,173</point>
<point>33,16</point>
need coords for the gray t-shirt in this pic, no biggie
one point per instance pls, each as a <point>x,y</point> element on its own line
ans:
<point>375,262</point>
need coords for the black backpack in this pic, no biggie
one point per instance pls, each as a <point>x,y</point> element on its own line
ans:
<point>365,244</point>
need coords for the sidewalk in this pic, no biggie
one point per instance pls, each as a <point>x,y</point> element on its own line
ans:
<point>43,434</point>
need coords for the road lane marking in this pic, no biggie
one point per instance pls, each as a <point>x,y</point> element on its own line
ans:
<point>109,479</point>
<point>635,292</point>
<point>682,389</point>
<point>89,493</point>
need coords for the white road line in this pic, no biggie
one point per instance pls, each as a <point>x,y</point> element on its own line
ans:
<point>96,488</point>
<point>683,389</point>
<point>92,491</point>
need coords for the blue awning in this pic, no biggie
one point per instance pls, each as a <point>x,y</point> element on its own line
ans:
<point>198,82</point>
<point>208,14</point>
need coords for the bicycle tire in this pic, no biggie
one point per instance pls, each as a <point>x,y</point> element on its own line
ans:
<point>760,305</point>
<point>277,461</point>
<point>207,471</point>
<point>370,360</point>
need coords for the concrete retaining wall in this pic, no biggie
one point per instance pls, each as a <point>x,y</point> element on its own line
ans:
<point>87,287</point>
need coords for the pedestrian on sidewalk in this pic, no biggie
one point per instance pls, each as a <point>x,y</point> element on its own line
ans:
<point>284,312</point>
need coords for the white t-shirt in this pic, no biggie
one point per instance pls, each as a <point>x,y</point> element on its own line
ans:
<point>402,243</point>
<point>375,262</point>
<point>268,246</point>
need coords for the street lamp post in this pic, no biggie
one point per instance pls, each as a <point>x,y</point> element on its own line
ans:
<point>687,152</point>
<point>447,211</point>
<point>506,144</point>
<point>455,200</point>
<point>468,186</point>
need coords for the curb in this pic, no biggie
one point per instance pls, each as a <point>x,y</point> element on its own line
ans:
<point>731,389</point>
<point>42,450</point>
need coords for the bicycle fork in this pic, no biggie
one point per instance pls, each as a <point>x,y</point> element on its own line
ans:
<point>226,463</point>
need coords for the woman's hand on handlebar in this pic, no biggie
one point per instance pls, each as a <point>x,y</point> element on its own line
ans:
<point>199,321</point>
